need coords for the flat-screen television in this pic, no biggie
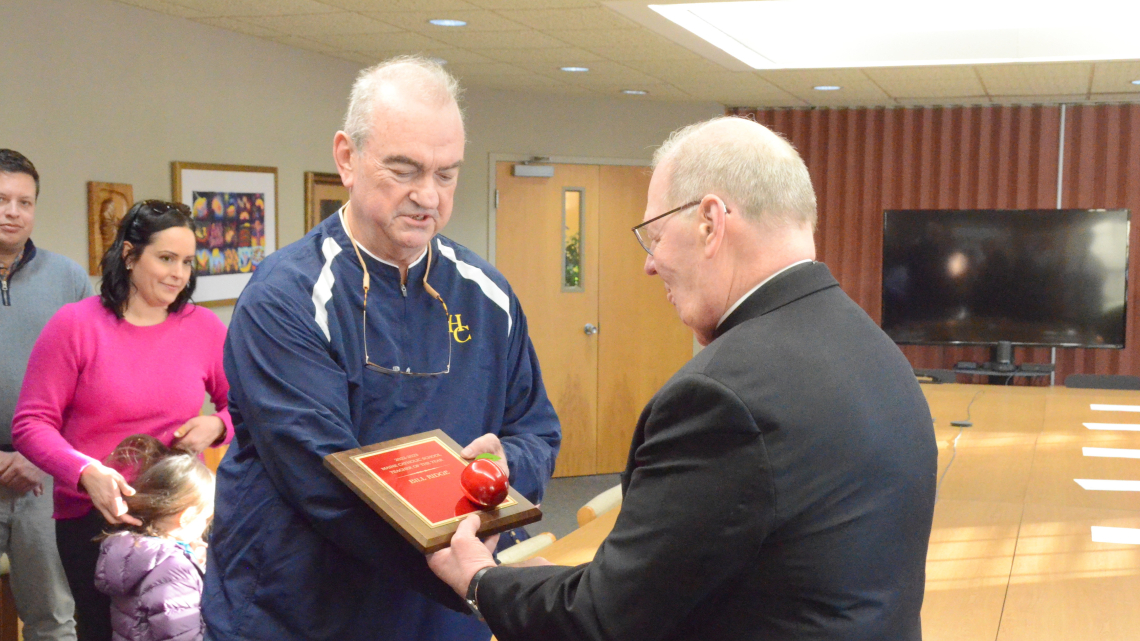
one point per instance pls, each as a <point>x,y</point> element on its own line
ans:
<point>1051,277</point>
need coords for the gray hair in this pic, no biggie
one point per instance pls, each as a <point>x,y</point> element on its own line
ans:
<point>743,161</point>
<point>422,75</point>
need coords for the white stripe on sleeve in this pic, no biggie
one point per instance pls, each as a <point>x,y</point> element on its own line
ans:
<point>322,290</point>
<point>476,275</point>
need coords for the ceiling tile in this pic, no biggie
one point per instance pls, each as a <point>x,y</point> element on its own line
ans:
<point>1113,97</point>
<point>497,39</point>
<point>243,8</point>
<point>948,101</point>
<point>736,88</point>
<point>402,5</point>
<point>623,45</point>
<point>927,82</point>
<point>601,72</point>
<point>1040,99</point>
<point>479,20</point>
<point>1063,78</point>
<point>310,45</point>
<point>1116,77</point>
<point>552,20</point>
<point>322,24</point>
<point>557,56</point>
<point>504,5</point>
<point>486,69</point>
<point>368,42</point>
<point>239,25</point>
<point>675,68</point>
<point>162,6</point>
<point>452,55</point>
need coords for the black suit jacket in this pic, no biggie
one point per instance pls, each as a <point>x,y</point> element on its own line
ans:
<point>779,486</point>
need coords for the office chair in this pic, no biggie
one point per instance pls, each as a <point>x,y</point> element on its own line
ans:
<point>599,505</point>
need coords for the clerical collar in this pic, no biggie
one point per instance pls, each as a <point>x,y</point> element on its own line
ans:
<point>753,290</point>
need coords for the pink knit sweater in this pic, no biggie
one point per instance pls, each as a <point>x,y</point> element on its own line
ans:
<point>93,380</point>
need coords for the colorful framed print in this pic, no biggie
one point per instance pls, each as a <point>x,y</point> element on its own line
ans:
<point>235,207</point>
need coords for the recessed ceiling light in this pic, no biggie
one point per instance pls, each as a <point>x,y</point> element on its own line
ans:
<point>1136,82</point>
<point>827,87</point>
<point>634,92</point>
<point>575,69</point>
<point>448,23</point>
<point>830,34</point>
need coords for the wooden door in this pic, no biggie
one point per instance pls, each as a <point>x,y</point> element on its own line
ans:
<point>642,342</point>
<point>528,248</point>
<point>598,383</point>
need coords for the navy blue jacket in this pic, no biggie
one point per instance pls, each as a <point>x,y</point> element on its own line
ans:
<point>294,554</point>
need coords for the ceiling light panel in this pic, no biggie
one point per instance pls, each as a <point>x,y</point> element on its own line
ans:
<point>824,34</point>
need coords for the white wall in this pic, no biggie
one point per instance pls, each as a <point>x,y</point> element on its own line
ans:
<point>96,90</point>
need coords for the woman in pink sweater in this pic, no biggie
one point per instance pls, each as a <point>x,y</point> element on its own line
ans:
<point>137,359</point>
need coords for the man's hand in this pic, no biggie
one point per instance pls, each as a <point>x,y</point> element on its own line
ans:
<point>106,487</point>
<point>199,433</point>
<point>488,444</point>
<point>467,555</point>
<point>19,475</point>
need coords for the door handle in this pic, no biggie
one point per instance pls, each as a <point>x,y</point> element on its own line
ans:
<point>591,329</point>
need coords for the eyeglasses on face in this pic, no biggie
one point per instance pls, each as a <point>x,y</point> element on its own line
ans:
<point>638,228</point>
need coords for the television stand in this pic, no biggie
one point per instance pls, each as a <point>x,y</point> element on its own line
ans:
<point>999,374</point>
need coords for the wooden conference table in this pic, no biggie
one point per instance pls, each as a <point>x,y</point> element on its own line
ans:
<point>1011,553</point>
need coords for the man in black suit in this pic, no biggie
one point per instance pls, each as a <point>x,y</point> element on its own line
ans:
<point>781,484</point>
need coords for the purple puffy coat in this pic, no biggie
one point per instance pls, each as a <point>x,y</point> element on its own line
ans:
<point>155,589</point>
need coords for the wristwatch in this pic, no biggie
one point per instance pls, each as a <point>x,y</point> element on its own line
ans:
<point>473,591</point>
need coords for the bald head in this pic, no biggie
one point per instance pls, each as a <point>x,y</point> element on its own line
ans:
<point>392,84</point>
<point>743,161</point>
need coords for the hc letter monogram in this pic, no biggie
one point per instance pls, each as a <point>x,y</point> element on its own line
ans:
<point>455,326</point>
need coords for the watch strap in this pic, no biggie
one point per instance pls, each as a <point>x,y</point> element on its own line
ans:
<point>473,591</point>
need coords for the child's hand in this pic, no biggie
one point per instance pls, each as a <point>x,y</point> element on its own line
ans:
<point>106,487</point>
<point>198,549</point>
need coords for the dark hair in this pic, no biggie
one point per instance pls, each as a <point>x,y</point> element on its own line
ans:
<point>14,162</point>
<point>166,480</point>
<point>142,222</point>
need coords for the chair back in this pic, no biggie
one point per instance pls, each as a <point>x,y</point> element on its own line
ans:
<point>1103,381</point>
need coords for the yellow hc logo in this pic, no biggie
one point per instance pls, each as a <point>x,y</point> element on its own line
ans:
<point>455,326</point>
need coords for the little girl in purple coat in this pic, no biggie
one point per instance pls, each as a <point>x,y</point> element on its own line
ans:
<point>153,572</point>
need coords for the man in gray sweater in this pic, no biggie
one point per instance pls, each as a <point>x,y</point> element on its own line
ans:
<point>34,284</point>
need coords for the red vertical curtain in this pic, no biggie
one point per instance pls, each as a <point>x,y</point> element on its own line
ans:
<point>864,161</point>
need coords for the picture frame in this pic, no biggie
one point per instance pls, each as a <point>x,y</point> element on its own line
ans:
<point>324,195</point>
<point>235,207</point>
<point>107,203</point>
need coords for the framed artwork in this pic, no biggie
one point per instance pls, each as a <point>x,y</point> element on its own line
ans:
<point>107,203</point>
<point>235,207</point>
<point>324,195</point>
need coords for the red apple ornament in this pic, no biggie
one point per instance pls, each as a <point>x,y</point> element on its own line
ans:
<point>484,482</point>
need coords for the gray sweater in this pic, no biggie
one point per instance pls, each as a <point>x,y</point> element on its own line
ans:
<point>40,284</point>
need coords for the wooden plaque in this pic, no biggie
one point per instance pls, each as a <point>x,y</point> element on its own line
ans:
<point>413,483</point>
